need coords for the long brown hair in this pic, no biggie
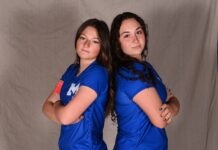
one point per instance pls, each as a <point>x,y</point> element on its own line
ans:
<point>120,59</point>
<point>104,56</point>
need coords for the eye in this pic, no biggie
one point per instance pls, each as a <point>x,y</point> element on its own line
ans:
<point>125,35</point>
<point>139,32</point>
<point>96,41</point>
<point>82,38</point>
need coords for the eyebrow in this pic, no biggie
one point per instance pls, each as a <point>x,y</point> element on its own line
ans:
<point>128,31</point>
<point>92,38</point>
<point>139,28</point>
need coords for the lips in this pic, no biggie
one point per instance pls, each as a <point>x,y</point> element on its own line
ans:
<point>84,50</point>
<point>136,46</point>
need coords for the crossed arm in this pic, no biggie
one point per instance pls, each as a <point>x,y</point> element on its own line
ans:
<point>72,112</point>
<point>159,114</point>
<point>170,108</point>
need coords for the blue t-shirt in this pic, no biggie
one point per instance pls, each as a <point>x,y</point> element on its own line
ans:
<point>135,130</point>
<point>86,134</point>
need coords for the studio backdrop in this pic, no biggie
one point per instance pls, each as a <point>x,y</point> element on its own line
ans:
<point>37,45</point>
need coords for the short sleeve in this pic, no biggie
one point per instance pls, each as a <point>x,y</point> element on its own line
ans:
<point>58,87</point>
<point>60,83</point>
<point>133,87</point>
<point>97,79</point>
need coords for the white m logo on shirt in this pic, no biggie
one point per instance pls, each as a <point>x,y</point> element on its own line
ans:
<point>73,89</point>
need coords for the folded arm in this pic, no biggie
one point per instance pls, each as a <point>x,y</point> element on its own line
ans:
<point>74,109</point>
<point>149,101</point>
<point>48,106</point>
<point>170,108</point>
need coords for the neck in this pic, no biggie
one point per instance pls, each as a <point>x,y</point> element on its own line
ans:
<point>84,64</point>
<point>138,57</point>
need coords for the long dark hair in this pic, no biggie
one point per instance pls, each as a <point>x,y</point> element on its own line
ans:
<point>120,59</point>
<point>104,56</point>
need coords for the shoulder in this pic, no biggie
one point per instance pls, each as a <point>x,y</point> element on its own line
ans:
<point>125,73</point>
<point>127,78</point>
<point>154,72</point>
<point>132,79</point>
<point>98,70</point>
<point>150,66</point>
<point>71,67</point>
<point>96,73</point>
<point>96,77</point>
<point>68,71</point>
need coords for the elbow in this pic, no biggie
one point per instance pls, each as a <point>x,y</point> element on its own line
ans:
<point>65,116</point>
<point>45,110</point>
<point>160,124</point>
<point>64,120</point>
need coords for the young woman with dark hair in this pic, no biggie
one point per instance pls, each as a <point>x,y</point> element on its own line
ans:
<point>142,104</point>
<point>83,97</point>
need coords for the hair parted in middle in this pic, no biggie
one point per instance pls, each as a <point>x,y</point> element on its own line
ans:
<point>120,59</point>
<point>117,53</point>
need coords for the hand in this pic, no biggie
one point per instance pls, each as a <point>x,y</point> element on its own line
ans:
<point>57,103</point>
<point>166,113</point>
<point>53,97</point>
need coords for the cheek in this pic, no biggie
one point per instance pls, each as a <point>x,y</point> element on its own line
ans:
<point>78,44</point>
<point>125,49</point>
<point>96,50</point>
<point>143,42</point>
<point>124,45</point>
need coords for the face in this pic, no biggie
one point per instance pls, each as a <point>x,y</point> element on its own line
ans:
<point>132,38</point>
<point>88,44</point>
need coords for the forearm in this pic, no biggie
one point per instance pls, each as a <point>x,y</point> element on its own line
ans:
<point>57,109</point>
<point>61,114</point>
<point>48,110</point>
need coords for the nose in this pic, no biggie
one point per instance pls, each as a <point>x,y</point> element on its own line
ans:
<point>135,38</point>
<point>87,43</point>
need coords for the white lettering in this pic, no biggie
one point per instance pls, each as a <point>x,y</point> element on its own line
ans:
<point>73,89</point>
